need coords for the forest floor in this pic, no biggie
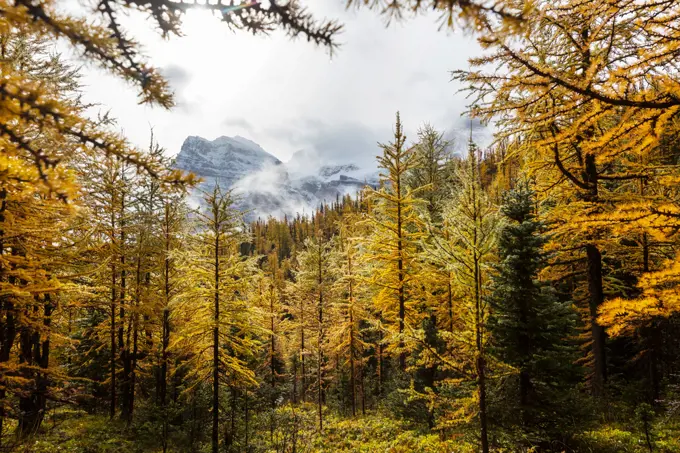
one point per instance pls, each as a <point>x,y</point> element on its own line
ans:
<point>78,432</point>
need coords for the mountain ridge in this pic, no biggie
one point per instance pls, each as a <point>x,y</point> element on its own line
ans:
<point>264,185</point>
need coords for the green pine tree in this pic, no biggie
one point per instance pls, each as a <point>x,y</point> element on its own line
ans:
<point>531,328</point>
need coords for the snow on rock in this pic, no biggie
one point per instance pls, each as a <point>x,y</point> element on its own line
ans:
<point>263,184</point>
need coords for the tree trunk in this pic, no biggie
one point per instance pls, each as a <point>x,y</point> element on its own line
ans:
<point>165,340</point>
<point>7,327</point>
<point>216,358</point>
<point>363,389</point>
<point>35,354</point>
<point>655,359</point>
<point>294,392</point>
<point>595,291</point>
<point>44,361</point>
<point>272,365</point>
<point>303,389</point>
<point>481,391</point>
<point>130,397</point>
<point>112,407</point>
<point>319,365</point>
<point>380,362</point>
<point>124,348</point>
<point>400,265</point>
<point>229,441</point>
<point>320,358</point>
<point>596,297</point>
<point>126,355</point>
<point>133,369</point>
<point>247,439</point>
<point>479,335</point>
<point>29,410</point>
<point>352,384</point>
<point>352,340</point>
<point>449,294</point>
<point>525,351</point>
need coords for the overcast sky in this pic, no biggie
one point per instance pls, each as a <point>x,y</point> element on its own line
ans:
<point>289,95</point>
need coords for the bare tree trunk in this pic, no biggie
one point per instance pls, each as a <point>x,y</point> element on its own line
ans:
<point>596,298</point>
<point>135,338</point>
<point>595,290</point>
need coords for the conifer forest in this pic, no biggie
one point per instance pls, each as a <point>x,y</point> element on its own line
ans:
<point>521,295</point>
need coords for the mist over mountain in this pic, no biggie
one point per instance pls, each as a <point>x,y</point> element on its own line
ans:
<point>264,185</point>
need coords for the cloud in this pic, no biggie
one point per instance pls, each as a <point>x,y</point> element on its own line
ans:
<point>328,143</point>
<point>288,95</point>
<point>270,192</point>
<point>418,77</point>
<point>467,123</point>
<point>180,79</point>
<point>460,127</point>
<point>241,124</point>
<point>344,143</point>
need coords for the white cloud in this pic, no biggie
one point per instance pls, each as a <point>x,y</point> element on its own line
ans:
<point>288,95</point>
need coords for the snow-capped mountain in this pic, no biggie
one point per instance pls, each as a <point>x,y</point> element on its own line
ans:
<point>264,185</point>
<point>225,159</point>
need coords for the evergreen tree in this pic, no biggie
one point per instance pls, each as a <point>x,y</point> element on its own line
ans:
<point>531,328</point>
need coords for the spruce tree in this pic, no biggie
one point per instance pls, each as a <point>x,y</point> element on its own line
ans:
<point>530,326</point>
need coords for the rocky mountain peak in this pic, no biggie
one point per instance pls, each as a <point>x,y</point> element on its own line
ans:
<point>265,185</point>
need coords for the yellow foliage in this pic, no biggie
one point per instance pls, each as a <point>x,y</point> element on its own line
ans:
<point>391,249</point>
<point>659,298</point>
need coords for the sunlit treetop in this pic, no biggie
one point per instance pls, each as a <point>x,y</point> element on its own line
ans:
<point>583,55</point>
